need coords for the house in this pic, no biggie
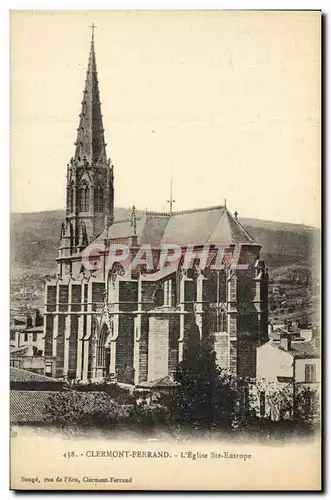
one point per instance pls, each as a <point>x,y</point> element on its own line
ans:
<point>286,368</point>
<point>27,346</point>
<point>289,360</point>
<point>35,340</point>
<point>15,332</point>
<point>28,334</point>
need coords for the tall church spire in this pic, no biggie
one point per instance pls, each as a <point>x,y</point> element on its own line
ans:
<point>90,144</point>
<point>90,177</point>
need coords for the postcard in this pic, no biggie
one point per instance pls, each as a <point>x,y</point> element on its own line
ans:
<point>165,329</point>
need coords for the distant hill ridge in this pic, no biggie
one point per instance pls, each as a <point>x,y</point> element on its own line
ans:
<point>35,238</point>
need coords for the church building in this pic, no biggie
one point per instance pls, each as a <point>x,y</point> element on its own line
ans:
<point>133,325</point>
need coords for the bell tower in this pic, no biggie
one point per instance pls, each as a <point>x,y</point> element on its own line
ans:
<point>90,179</point>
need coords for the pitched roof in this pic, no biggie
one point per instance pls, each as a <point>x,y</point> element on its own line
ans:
<point>204,225</point>
<point>19,350</point>
<point>34,329</point>
<point>19,375</point>
<point>193,226</point>
<point>18,322</point>
<point>17,328</point>
<point>229,229</point>
<point>304,350</point>
<point>159,383</point>
<point>29,407</point>
<point>299,350</point>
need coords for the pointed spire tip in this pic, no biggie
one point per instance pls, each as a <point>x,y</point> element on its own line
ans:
<point>93,26</point>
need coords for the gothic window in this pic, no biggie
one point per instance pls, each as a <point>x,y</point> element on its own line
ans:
<point>71,200</point>
<point>159,297</point>
<point>244,288</point>
<point>76,297</point>
<point>98,199</point>
<point>63,297</point>
<point>215,287</point>
<point>87,200</point>
<point>71,234</point>
<point>84,198</point>
<point>51,298</point>
<point>101,201</point>
<point>98,294</point>
<point>222,287</point>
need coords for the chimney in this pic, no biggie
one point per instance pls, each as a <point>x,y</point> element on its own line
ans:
<point>28,321</point>
<point>285,342</point>
<point>38,321</point>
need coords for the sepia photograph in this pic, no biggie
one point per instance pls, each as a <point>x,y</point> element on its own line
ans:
<point>165,260</point>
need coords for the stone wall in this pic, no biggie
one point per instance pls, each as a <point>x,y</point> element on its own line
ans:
<point>143,349</point>
<point>158,347</point>
<point>124,349</point>
<point>222,349</point>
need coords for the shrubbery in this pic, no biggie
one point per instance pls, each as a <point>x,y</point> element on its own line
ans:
<point>85,409</point>
<point>207,399</point>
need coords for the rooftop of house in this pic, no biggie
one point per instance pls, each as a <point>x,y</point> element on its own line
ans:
<point>20,375</point>
<point>17,328</point>
<point>159,383</point>
<point>34,324</point>
<point>30,407</point>
<point>34,329</point>
<point>299,350</point>
<point>18,350</point>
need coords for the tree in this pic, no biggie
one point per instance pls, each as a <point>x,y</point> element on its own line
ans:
<point>83,409</point>
<point>307,405</point>
<point>147,417</point>
<point>278,398</point>
<point>207,395</point>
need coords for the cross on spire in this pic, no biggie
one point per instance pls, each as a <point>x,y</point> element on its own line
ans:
<point>93,26</point>
<point>171,201</point>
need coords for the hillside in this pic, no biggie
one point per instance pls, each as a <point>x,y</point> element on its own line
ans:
<point>35,237</point>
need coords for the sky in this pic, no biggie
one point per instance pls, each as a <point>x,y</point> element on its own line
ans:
<point>226,103</point>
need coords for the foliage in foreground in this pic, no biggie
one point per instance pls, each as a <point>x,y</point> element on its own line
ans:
<point>207,399</point>
<point>87,409</point>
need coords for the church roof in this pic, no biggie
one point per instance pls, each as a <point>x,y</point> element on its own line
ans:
<point>214,225</point>
<point>90,137</point>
